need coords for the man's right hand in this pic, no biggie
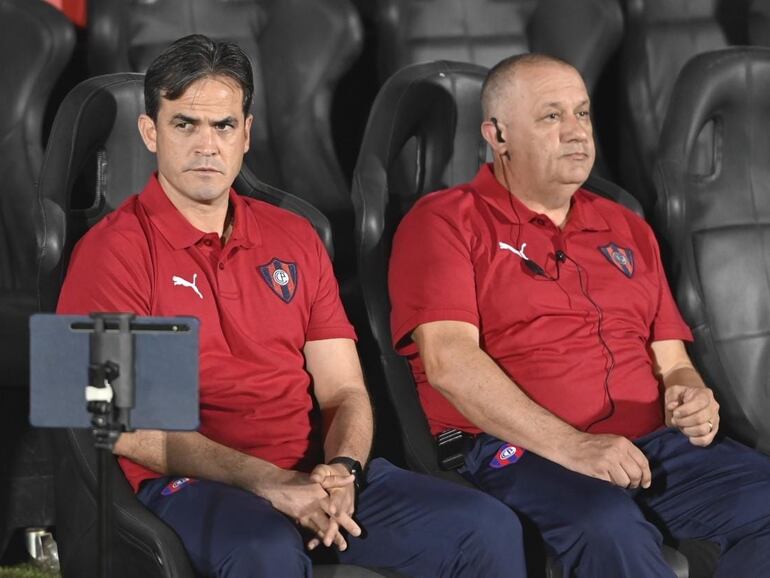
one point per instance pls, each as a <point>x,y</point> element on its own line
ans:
<point>607,457</point>
<point>309,504</point>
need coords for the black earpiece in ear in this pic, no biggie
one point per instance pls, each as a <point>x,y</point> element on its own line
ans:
<point>499,133</point>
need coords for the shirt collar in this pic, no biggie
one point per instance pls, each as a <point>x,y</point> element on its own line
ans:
<point>180,233</point>
<point>583,215</point>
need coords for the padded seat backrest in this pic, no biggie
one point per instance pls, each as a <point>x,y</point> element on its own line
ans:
<point>298,50</point>
<point>431,112</point>
<point>759,23</point>
<point>483,32</point>
<point>661,36</point>
<point>716,220</point>
<point>96,159</point>
<point>423,135</point>
<point>36,42</point>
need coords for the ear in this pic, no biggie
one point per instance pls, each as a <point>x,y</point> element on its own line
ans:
<point>489,132</point>
<point>247,128</point>
<point>148,132</point>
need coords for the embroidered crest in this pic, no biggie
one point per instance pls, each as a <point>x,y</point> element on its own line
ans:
<point>175,485</point>
<point>505,456</point>
<point>281,277</point>
<point>622,258</point>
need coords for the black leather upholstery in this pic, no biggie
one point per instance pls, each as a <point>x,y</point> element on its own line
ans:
<point>36,42</point>
<point>486,31</point>
<point>94,160</point>
<point>298,48</point>
<point>716,219</point>
<point>483,32</point>
<point>661,36</point>
<point>423,135</point>
<point>478,31</point>
<point>759,23</point>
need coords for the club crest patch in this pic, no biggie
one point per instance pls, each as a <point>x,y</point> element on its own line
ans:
<point>507,454</point>
<point>176,484</point>
<point>622,258</point>
<point>281,277</point>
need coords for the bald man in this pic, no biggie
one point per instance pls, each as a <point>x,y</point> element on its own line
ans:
<point>537,319</point>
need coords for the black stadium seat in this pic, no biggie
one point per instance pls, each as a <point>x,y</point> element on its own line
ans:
<point>435,109</point>
<point>299,49</point>
<point>585,34</point>
<point>713,182</point>
<point>94,160</point>
<point>36,42</point>
<point>661,36</point>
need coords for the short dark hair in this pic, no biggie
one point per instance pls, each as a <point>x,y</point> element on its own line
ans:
<point>502,73</point>
<point>190,59</point>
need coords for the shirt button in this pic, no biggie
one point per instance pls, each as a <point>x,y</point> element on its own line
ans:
<point>539,221</point>
<point>207,242</point>
<point>221,265</point>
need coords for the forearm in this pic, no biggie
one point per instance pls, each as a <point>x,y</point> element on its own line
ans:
<point>485,395</point>
<point>683,375</point>
<point>349,425</point>
<point>194,455</point>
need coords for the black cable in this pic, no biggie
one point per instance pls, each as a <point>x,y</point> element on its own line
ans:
<point>600,317</point>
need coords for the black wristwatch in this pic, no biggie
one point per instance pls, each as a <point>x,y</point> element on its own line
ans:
<point>354,467</point>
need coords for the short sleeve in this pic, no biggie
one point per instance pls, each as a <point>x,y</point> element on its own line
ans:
<point>108,272</point>
<point>327,316</point>
<point>431,275</point>
<point>668,322</point>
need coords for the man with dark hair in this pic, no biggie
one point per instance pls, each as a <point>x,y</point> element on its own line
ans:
<point>537,318</point>
<point>286,424</point>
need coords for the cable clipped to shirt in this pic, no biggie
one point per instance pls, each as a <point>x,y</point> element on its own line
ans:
<point>561,257</point>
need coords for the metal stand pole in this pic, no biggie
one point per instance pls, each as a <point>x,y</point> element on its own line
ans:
<point>109,398</point>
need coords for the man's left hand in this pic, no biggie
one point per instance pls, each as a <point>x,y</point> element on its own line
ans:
<point>694,411</point>
<point>338,483</point>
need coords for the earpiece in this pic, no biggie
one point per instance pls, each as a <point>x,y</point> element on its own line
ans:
<point>499,133</point>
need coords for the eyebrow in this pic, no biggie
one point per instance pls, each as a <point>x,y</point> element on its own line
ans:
<point>195,121</point>
<point>582,103</point>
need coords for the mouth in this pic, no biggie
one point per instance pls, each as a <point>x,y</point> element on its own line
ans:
<point>577,156</point>
<point>205,171</point>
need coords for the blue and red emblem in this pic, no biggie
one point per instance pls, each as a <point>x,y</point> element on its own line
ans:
<point>507,454</point>
<point>176,484</point>
<point>281,277</point>
<point>622,258</point>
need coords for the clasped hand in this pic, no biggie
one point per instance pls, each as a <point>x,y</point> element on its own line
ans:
<point>322,501</point>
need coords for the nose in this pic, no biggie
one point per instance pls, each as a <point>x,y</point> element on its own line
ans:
<point>577,129</point>
<point>206,144</point>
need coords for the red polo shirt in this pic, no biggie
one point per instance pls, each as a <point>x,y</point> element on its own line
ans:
<point>259,298</point>
<point>458,255</point>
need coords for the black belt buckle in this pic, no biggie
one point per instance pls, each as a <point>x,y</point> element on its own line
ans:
<point>452,445</point>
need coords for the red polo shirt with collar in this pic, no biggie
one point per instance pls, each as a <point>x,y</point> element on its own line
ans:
<point>259,298</point>
<point>587,320</point>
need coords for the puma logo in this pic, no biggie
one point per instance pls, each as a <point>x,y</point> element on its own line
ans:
<point>514,250</point>
<point>185,283</point>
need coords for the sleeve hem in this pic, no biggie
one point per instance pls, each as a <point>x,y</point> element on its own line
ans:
<point>341,332</point>
<point>405,346</point>
<point>663,332</point>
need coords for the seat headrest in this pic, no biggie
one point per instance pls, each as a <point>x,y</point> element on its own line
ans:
<point>432,113</point>
<point>95,157</point>
<point>715,140</point>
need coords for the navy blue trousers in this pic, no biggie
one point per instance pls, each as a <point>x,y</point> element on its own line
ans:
<point>720,493</point>
<point>414,524</point>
